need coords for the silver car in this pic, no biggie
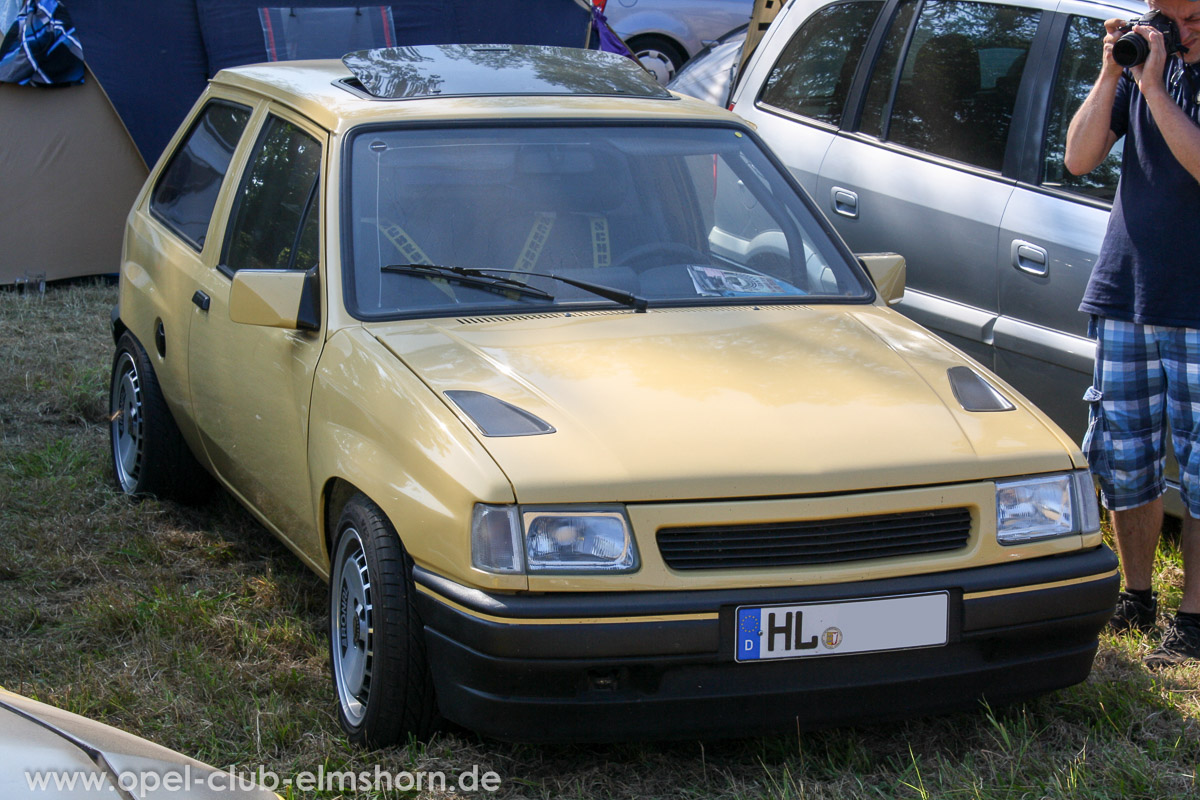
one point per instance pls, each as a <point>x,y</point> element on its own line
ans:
<point>709,75</point>
<point>936,128</point>
<point>664,34</point>
<point>50,754</point>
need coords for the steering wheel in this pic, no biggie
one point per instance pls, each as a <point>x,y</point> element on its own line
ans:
<point>670,253</point>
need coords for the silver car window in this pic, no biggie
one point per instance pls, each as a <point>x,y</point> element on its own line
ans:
<point>958,82</point>
<point>1077,71</point>
<point>887,67</point>
<point>813,74</point>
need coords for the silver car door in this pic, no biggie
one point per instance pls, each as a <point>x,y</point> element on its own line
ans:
<point>924,174</point>
<point>797,90</point>
<point>1051,233</point>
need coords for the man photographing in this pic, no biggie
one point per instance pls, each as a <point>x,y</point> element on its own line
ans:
<point>1144,298</point>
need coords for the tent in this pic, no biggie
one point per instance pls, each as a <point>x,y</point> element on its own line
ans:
<point>73,158</point>
<point>153,58</point>
<point>68,175</point>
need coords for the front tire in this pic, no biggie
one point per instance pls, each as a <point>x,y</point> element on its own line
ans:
<point>660,56</point>
<point>376,637</point>
<point>149,455</point>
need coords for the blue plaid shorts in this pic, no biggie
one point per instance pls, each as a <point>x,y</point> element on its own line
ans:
<point>1142,371</point>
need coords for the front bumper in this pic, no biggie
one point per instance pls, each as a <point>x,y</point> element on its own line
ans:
<point>604,666</point>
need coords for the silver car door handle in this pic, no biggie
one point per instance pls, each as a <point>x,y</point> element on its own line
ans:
<point>1030,258</point>
<point>845,202</point>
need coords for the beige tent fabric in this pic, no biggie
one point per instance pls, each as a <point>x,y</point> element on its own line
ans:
<point>69,174</point>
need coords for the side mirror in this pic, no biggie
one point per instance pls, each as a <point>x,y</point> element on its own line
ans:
<point>887,272</point>
<point>275,299</point>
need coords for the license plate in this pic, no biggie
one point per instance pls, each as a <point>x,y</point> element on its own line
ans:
<point>841,628</point>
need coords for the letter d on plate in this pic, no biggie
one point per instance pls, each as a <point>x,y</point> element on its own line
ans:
<point>749,633</point>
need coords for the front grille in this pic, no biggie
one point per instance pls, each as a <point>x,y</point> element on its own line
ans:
<point>826,541</point>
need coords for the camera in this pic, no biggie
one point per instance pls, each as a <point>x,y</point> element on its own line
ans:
<point>1131,49</point>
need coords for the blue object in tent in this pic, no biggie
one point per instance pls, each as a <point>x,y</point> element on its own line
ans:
<point>609,41</point>
<point>41,48</point>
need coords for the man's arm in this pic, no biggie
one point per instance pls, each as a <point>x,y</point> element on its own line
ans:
<point>1180,132</point>
<point>1090,136</point>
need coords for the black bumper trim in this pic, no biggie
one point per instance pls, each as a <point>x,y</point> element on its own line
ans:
<point>574,605</point>
<point>582,640</point>
<point>1007,610</point>
<point>713,635</point>
<point>532,674</point>
<point>688,697</point>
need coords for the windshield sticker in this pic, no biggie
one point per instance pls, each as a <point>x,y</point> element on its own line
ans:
<point>717,282</point>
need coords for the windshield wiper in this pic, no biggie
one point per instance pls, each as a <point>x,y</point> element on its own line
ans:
<point>621,296</point>
<point>469,277</point>
<point>487,278</point>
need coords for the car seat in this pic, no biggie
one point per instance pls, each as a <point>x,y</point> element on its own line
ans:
<point>934,111</point>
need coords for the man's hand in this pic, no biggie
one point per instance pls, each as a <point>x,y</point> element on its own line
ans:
<point>1149,74</point>
<point>1110,69</point>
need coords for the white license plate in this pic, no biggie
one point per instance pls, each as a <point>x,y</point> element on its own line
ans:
<point>840,628</point>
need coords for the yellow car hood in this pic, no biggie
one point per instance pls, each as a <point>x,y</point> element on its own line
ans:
<point>724,402</point>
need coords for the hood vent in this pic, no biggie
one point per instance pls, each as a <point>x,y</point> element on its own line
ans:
<point>704,309</point>
<point>496,417</point>
<point>974,393</point>
<point>526,317</point>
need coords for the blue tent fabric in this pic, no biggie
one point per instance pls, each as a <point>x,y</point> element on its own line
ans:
<point>41,48</point>
<point>233,35</point>
<point>153,59</point>
<point>290,32</point>
<point>149,58</point>
<point>233,30</point>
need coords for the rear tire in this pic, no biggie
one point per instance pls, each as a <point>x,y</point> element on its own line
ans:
<point>376,638</point>
<point>149,455</point>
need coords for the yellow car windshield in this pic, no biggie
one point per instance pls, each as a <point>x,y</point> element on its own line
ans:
<point>669,215</point>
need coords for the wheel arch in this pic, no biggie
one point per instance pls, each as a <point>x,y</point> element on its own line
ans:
<point>334,496</point>
<point>150,456</point>
<point>681,48</point>
<point>430,512</point>
<point>377,429</point>
<point>380,670</point>
<point>117,325</point>
<point>662,26</point>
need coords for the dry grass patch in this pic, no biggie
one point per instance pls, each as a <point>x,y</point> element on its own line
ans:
<point>194,628</point>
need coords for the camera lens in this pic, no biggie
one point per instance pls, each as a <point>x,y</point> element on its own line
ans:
<point>1130,50</point>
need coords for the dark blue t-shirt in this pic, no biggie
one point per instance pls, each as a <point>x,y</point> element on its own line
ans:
<point>1149,266</point>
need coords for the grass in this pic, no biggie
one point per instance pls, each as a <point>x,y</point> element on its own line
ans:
<point>196,629</point>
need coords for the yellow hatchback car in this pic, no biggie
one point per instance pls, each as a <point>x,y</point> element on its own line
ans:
<point>594,425</point>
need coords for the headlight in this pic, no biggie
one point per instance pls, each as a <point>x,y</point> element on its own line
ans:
<point>508,539</point>
<point>1045,507</point>
<point>557,541</point>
